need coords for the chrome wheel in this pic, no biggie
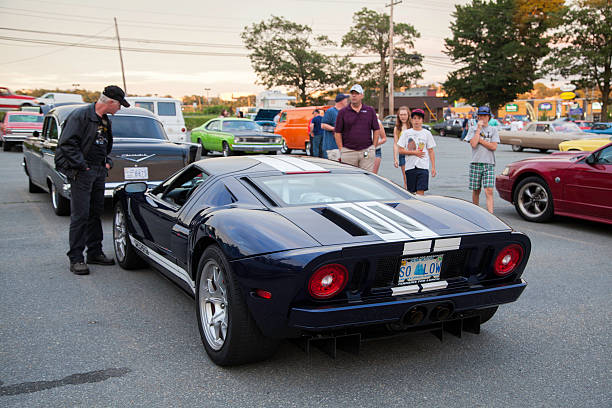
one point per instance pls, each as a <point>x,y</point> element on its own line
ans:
<point>533,199</point>
<point>226,150</point>
<point>213,304</point>
<point>517,148</point>
<point>285,149</point>
<point>119,235</point>
<point>307,149</point>
<point>53,196</point>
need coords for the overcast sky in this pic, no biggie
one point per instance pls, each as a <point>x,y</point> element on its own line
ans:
<point>215,25</point>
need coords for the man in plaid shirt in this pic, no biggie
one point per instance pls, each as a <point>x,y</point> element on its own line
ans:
<point>483,139</point>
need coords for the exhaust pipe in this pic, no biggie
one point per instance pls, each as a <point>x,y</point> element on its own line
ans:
<point>414,316</point>
<point>441,312</point>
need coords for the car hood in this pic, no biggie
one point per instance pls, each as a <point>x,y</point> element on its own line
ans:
<point>557,160</point>
<point>431,217</point>
<point>266,114</point>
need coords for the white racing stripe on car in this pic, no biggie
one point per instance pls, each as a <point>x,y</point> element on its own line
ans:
<point>278,164</point>
<point>404,290</point>
<point>418,247</point>
<point>400,220</point>
<point>433,285</point>
<point>376,225</point>
<point>169,266</point>
<point>447,244</point>
<point>303,164</point>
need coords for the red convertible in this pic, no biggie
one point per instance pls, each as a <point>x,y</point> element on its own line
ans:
<point>568,183</point>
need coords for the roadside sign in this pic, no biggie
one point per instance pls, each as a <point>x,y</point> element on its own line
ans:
<point>596,105</point>
<point>545,106</point>
<point>567,87</point>
<point>568,95</point>
<point>576,111</point>
<point>512,107</point>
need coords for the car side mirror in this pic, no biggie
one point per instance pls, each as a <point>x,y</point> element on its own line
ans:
<point>135,188</point>
<point>591,159</point>
<point>36,133</point>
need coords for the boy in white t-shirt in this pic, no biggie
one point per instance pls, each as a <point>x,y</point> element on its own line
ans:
<point>417,144</point>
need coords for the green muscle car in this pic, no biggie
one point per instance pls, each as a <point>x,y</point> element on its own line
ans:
<point>231,135</point>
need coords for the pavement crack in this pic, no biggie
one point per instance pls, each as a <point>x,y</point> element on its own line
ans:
<point>74,379</point>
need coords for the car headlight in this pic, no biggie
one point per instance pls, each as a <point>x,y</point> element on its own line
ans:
<point>278,140</point>
<point>506,171</point>
<point>237,140</point>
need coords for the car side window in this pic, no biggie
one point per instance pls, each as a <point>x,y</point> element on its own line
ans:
<point>213,125</point>
<point>145,105</point>
<point>605,156</point>
<point>283,117</point>
<point>52,129</point>
<point>166,108</point>
<point>179,188</point>
<point>218,195</point>
<point>530,128</point>
<point>542,127</point>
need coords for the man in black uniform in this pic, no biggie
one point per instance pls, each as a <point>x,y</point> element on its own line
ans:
<point>81,155</point>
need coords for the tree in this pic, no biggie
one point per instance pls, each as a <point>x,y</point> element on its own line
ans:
<point>583,48</point>
<point>370,35</point>
<point>498,45</point>
<point>284,53</point>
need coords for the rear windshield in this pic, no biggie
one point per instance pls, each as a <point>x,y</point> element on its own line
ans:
<point>231,125</point>
<point>135,127</point>
<point>566,127</point>
<point>166,108</point>
<point>308,189</point>
<point>25,118</point>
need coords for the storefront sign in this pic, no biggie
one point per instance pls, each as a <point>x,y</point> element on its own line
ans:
<point>512,107</point>
<point>545,106</point>
<point>567,87</point>
<point>568,95</point>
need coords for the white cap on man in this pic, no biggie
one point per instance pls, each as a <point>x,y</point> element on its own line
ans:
<point>357,88</point>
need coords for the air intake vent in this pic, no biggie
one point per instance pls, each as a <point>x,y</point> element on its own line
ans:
<point>344,223</point>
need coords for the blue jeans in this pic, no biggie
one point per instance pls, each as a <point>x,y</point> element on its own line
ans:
<point>317,145</point>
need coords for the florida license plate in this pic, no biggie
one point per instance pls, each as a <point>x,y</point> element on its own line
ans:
<point>421,269</point>
<point>136,173</point>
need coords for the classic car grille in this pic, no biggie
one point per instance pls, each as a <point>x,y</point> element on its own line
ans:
<point>258,139</point>
<point>387,267</point>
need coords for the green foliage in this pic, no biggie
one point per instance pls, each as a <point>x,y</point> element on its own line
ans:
<point>284,53</point>
<point>498,48</point>
<point>369,34</point>
<point>584,48</point>
<point>193,121</point>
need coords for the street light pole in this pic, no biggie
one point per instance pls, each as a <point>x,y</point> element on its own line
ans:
<point>391,55</point>
<point>120,56</point>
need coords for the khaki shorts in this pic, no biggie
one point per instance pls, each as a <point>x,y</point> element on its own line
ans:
<point>364,159</point>
<point>333,154</point>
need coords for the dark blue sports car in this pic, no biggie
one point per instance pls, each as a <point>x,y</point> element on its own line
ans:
<point>322,252</point>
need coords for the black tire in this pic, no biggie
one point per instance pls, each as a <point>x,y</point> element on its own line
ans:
<point>442,132</point>
<point>227,152</point>
<point>487,314</point>
<point>126,254</point>
<point>272,153</point>
<point>6,146</point>
<point>33,188</point>
<point>533,200</point>
<point>60,204</point>
<point>308,149</point>
<point>242,341</point>
<point>284,148</point>
<point>204,152</point>
<point>517,148</point>
<point>543,150</point>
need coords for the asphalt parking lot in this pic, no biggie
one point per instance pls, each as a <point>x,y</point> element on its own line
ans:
<point>130,338</point>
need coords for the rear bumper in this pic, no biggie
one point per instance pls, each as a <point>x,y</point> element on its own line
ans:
<point>503,184</point>
<point>243,147</point>
<point>331,318</point>
<point>15,138</point>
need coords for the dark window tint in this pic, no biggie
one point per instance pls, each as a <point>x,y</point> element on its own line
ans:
<point>166,108</point>
<point>145,105</point>
<point>605,156</point>
<point>51,129</point>
<point>134,127</point>
<point>25,118</point>
<point>218,195</point>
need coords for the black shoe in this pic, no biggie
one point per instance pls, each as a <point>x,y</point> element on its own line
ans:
<point>79,268</point>
<point>100,260</point>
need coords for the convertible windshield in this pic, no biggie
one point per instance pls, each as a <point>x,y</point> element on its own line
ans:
<point>566,127</point>
<point>233,125</point>
<point>308,189</point>
<point>135,127</point>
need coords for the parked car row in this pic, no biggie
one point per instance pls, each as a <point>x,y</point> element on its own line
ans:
<point>542,135</point>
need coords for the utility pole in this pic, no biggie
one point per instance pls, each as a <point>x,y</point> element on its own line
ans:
<point>120,57</point>
<point>391,73</point>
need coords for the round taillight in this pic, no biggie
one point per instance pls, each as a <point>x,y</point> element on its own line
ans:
<point>327,281</point>
<point>183,130</point>
<point>508,259</point>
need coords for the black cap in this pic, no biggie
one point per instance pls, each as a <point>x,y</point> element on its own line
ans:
<point>341,97</point>
<point>116,93</point>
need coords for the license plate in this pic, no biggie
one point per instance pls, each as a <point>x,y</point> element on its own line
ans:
<point>421,269</point>
<point>136,173</point>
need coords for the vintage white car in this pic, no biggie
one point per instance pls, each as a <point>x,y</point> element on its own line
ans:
<point>542,135</point>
